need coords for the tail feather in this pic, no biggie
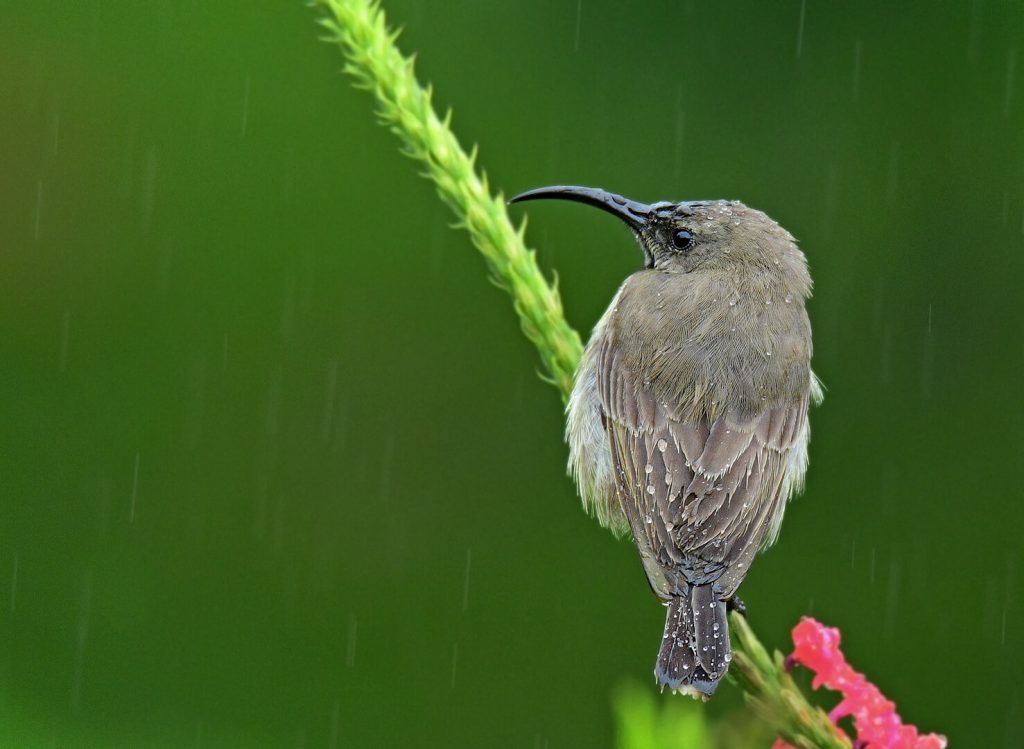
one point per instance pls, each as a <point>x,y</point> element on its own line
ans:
<point>695,650</point>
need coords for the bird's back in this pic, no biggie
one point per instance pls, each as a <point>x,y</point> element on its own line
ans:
<point>698,387</point>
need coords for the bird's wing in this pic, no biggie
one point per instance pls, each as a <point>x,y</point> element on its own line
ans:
<point>701,497</point>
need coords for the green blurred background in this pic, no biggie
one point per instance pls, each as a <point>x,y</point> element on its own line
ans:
<point>276,466</point>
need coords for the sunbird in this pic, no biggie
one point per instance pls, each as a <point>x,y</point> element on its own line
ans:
<point>687,425</point>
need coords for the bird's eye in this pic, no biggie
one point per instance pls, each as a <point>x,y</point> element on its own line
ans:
<point>682,239</point>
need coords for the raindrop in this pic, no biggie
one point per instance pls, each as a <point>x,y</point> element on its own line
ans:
<point>245,107</point>
<point>858,51</point>
<point>328,417</point>
<point>14,582</point>
<point>335,723</point>
<point>465,579</point>
<point>385,469</point>
<point>680,134</point>
<point>892,181</point>
<point>891,599</point>
<point>1011,68</point>
<point>989,606</point>
<point>128,162</point>
<point>56,133</point>
<point>149,186</point>
<point>350,642</point>
<point>82,635</point>
<point>135,488</point>
<point>974,30</point>
<point>800,29</point>
<point>579,18</point>
<point>64,341</point>
<point>39,208</point>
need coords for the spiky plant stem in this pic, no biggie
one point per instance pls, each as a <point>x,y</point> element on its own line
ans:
<point>376,64</point>
<point>771,692</point>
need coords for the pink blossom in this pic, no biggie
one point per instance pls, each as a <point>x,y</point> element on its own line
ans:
<point>875,718</point>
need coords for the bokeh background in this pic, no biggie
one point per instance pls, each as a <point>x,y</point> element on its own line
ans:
<point>277,469</point>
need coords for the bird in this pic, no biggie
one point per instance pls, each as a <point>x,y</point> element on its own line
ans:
<point>687,424</point>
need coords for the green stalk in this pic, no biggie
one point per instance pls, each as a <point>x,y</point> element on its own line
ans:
<point>771,692</point>
<point>404,106</point>
<point>359,28</point>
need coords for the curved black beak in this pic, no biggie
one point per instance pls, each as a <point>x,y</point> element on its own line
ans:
<point>633,213</point>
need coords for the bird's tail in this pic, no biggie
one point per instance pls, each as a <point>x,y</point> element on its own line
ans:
<point>694,651</point>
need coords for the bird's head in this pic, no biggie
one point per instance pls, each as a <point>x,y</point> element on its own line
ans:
<point>693,236</point>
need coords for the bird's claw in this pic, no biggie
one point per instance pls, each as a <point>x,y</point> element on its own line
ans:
<point>736,604</point>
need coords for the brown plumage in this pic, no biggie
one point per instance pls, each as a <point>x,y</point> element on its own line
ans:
<point>688,421</point>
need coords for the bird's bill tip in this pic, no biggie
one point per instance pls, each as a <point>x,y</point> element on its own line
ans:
<point>554,192</point>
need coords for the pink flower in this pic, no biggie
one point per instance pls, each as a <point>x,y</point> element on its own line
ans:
<point>875,718</point>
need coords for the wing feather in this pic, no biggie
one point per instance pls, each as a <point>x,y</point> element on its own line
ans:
<point>700,497</point>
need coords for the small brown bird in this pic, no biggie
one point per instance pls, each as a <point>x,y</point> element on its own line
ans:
<point>687,423</point>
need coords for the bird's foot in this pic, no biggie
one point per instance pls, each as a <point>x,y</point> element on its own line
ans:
<point>736,604</point>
